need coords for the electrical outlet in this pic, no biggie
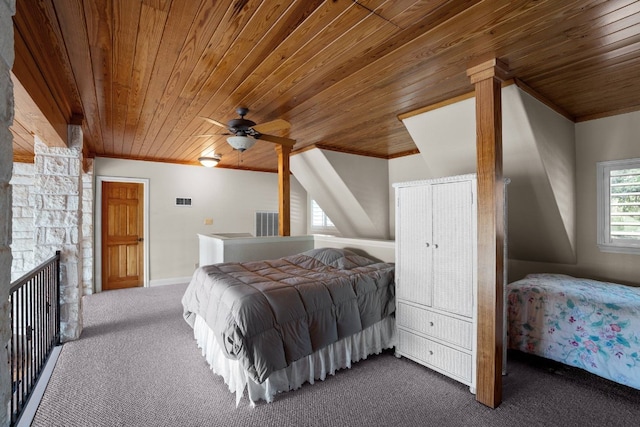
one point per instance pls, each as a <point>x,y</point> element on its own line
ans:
<point>208,221</point>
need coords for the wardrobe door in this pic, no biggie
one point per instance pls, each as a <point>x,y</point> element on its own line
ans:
<point>453,242</point>
<point>413,266</point>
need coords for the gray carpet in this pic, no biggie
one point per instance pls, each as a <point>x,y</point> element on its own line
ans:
<point>137,364</point>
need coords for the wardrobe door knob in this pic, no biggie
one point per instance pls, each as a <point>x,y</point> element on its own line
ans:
<point>430,353</point>
<point>427,244</point>
<point>430,323</point>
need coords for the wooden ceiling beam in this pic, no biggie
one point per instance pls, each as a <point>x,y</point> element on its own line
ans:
<point>51,128</point>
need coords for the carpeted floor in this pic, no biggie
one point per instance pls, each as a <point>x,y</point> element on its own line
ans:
<point>137,364</point>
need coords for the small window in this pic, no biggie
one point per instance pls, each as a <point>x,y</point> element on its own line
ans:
<point>619,206</point>
<point>320,222</point>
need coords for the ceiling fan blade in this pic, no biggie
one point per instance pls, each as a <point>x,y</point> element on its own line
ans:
<point>209,135</point>
<point>213,122</point>
<point>278,124</point>
<point>277,139</point>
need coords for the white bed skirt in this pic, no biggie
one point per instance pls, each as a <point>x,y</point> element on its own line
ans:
<point>328,360</point>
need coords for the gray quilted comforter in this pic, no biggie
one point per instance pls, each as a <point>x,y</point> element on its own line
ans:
<point>268,314</point>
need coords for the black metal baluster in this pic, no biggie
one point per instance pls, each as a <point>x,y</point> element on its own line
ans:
<point>35,329</point>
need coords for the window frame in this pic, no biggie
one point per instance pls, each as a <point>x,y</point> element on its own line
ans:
<point>325,229</point>
<point>604,239</point>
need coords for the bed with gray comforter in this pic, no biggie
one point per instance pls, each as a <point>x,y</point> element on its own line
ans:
<point>268,314</point>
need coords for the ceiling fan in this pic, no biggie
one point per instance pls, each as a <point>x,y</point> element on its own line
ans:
<point>244,132</point>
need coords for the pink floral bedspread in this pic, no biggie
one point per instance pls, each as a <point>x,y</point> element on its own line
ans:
<point>580,322</point>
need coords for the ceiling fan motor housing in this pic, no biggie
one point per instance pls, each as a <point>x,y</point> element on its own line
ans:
<point>240,125</point>
<point>245,136</point>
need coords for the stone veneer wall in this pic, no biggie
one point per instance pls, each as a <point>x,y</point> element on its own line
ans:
<point>24,230</point>
<point>23,240</point>
<point>7,10</point>
<point>58,222</point>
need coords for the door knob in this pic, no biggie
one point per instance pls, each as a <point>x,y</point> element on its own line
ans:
<point>140,239</point>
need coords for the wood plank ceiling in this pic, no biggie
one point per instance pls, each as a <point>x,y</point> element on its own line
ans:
<point>340,71</point>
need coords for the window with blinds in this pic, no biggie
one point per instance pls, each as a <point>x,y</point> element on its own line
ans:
<point>619,206</point>
<point>320,222</point>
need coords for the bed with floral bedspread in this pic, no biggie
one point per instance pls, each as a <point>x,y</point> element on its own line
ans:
<point>580,322</point>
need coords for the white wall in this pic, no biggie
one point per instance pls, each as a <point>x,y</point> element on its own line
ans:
<point>539,159</point>
<point>349,189</point>
<point>361,174</point>
<point>611,138</point>
<point>174,230</point>
<point>404,169</point>
<point>229,197</point>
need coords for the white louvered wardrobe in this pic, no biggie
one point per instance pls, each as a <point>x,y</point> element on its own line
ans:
<point>436,274</point>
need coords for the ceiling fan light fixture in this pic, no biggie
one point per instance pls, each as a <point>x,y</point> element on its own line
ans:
<point>209,162</point>
<point>241,143</point>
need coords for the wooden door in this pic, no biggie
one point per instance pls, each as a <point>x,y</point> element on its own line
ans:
<point>122,235</point>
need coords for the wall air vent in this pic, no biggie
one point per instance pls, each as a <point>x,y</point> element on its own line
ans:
<point>183,201</point>
<point>266,223</point>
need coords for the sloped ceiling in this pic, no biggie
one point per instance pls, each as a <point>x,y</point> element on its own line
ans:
<point>539,160</point>
<point>348,189</point>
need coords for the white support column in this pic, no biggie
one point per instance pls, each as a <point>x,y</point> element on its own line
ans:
<point>58,222</point>
<point>87,228</point>
<point>7,10</point>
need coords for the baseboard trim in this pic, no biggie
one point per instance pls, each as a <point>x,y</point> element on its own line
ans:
<point>169,281</point>
<point>26,418</point>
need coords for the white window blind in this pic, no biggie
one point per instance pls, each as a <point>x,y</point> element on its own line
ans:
<point>619,206</point>
<point>320,222</point>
